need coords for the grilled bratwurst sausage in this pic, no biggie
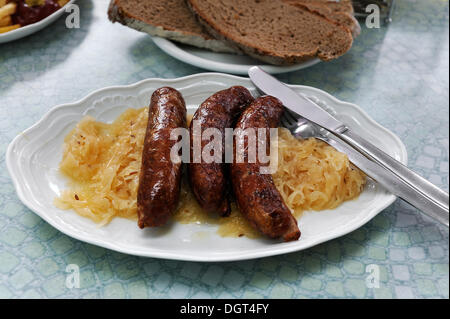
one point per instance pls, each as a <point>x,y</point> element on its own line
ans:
<point>209,180</point>
<point>256,194</point>
<point>160,178</point>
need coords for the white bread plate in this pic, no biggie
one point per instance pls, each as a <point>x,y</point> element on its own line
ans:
<point>33,158</point>
<point>222,62</point>
<point>34,27</point>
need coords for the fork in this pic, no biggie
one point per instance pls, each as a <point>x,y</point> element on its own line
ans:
<point>303,128</point>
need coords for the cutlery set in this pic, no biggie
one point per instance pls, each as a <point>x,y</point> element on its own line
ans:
<point>305,119</point>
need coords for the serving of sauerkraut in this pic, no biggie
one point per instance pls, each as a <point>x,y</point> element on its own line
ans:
<point>312,175</point>
<point>102,164</point>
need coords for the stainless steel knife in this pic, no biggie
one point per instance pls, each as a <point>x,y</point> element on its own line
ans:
<point>439,199</point>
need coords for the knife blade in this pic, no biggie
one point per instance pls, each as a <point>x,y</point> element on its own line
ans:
<point>311,111</point>
<point>294,101</point>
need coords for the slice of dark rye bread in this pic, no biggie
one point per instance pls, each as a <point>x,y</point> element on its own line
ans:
<point>335,10</point>
<point>273,31</point>
<point>164,18</point>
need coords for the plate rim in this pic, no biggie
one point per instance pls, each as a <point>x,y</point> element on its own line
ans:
<point>155,253</point>
<point>172,49</point>
<point>30,29</point>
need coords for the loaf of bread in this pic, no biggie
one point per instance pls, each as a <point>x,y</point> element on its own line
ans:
<point>164,18</point>
<point>273,31</point>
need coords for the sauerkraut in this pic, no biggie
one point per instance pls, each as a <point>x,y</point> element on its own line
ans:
<point>312,175</point>
<point>102,163</point>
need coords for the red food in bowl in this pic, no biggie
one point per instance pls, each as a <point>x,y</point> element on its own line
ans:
<point>26,14</point>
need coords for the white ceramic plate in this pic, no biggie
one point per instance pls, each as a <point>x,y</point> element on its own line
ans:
<point>32,28</point>
<point>32,159</point>
<point>222,62</point>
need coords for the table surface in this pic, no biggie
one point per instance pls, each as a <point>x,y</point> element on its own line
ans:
<point>399,74</point>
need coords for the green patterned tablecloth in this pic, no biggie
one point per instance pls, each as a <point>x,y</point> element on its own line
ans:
<point>398,74</point>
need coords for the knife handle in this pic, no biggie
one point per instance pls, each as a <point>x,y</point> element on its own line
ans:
<point>389,181</point>
<point>420,184</point>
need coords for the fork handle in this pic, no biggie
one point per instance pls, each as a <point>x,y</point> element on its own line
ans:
<point>423,187</point>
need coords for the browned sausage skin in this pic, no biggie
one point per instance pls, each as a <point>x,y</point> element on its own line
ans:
<point>256,194</point>
<point>160,178</point>
<point>209,180</point>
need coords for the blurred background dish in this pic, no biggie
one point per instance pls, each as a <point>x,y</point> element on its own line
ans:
<point>21,18</point>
